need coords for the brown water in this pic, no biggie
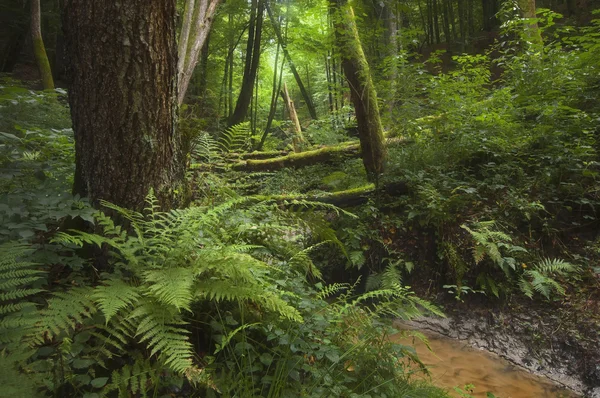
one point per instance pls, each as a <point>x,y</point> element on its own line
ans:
<point>456,364</point>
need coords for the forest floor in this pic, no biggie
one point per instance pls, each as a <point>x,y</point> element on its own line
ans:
<point>556,338</point>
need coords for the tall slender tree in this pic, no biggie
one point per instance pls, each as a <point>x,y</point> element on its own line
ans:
<point>251,62</point>
<point>362,90</point>
<point>122,60</point>
<point>305,93</point>
<point>198,18</point>
<point>39,50</point>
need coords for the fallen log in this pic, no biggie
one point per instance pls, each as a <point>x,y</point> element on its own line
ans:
<point>348,198</point>
<point>329,154</point>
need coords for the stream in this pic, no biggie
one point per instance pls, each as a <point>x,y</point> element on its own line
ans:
<point>456,364</point>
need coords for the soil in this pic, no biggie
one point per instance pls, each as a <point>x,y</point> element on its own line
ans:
<point>554,340</point>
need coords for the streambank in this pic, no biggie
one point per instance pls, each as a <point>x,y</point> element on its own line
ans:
<point>536,342</point>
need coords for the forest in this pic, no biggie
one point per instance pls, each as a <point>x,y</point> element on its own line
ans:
<point>286,198</point>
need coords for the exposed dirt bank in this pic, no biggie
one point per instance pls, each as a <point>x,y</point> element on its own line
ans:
<point>537,342</point>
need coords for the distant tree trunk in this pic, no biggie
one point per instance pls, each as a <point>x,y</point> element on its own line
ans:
<point>329,82</point>
<point>462,24</point>
<point>489,10</point>
<point>436,22</point>
<point>41,58</point>
<point>298,137</point>
<point>532,31</point>
<point>451,16</point>
<point>251,63</point>
<point>13,48</point>
<point>446,23</point>
<point>273,107</point>
<point>198,17</point>
<point>122,59</point>
<point>362,90</point>
<point>305,94</point>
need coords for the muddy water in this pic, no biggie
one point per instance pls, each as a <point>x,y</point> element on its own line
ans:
<point>455,364</point>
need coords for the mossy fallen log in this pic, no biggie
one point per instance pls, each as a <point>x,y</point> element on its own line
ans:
<point>329,154</point>
<point>348,198</point>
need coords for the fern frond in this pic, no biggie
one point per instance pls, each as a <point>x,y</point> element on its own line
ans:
<point>330,290</point>
<point>64,312</point>
<point>236,138</point>
<point>555,266</point>
<point>113,296</point>
<point>161,330</point>
<point>17,278</point>
<point>172,286</point>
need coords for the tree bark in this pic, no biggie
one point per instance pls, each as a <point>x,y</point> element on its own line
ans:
<point>122,60</point>
<point>251,63</point>
<point>39,50</point>
<point>362,90</point>
<point>305,94</point>
<point>198,17</point>
<point>532,31</point>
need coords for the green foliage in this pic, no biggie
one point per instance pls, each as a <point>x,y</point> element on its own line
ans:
<point>540,278</point>
<point>36,163</point>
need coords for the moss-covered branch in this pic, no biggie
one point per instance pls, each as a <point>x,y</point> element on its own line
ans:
<point>329,154</point>
<point>348,198</point>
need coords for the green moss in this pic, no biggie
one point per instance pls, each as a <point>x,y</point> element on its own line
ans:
<point>43,64</point>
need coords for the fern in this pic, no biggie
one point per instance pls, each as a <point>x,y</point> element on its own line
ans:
<point>17,280</point>
<point>65,311</point>
<point>236,138</point>
<point>540,278</point>
<point>134,379</point>
<point>114,296</point>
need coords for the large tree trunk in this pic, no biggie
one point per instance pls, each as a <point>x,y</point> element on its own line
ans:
<point>251,63</point>
<point>39,50</point>
<point>362,90</point>
<point>305,94</point>
<point>123,68</point>
<point>198,17</point>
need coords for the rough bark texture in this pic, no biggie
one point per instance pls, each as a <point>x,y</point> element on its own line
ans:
<point>123,69</point>
<point>39,50</point>
<point>362,90</point>
<point>198,17</point>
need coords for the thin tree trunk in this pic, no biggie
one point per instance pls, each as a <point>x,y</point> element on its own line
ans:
<point>532,31</point>
<point>362,90</point>
<point>298,137</point>
<point>425,29</point>
<point>329,82</point>
<point>274,96</point>
<point>305,94</point>
<point>461,24</point>
<point>251,64</point>
<point>436,23</point>
<point>452,21</point>
<point>470,22</point>
<point>198,18</point>
<point>446,23</point>
<point>39,50</point>
<point>430,21</point>
<point>123,74</point>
